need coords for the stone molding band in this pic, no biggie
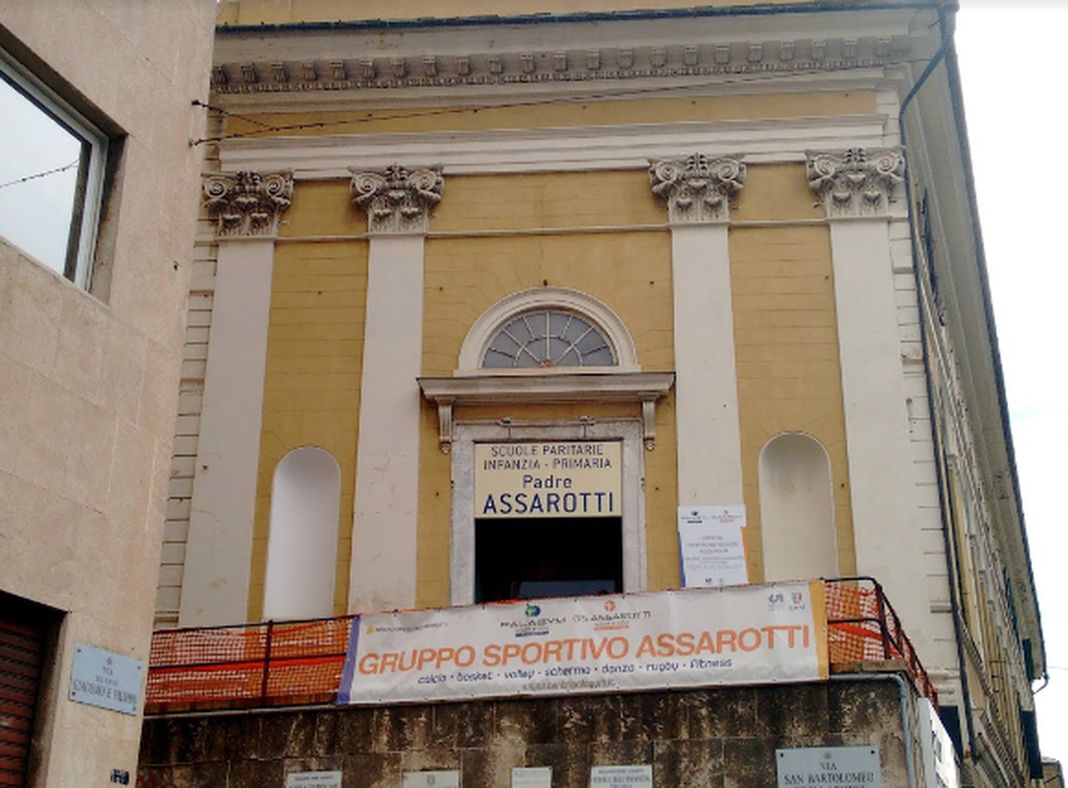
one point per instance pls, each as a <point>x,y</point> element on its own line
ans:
<point>698,189</point>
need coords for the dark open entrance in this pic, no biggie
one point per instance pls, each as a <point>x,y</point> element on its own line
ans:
<point>530,558</point>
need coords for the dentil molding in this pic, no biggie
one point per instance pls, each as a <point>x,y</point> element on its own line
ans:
<point>697,189</point>
<point>596,62</point>
<point>397,200</point>
<point>248,203</point>
<point>856,182</point>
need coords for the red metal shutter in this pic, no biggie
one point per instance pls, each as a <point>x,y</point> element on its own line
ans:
<point>20,671</point>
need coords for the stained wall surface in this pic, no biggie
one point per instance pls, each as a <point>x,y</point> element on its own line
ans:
<point>724,738</point>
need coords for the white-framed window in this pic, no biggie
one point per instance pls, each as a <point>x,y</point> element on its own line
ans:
<point>547,330</point>
<point>548,338</point>
<point>52,167</point>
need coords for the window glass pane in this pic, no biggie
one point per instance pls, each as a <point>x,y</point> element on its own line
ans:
<point>36,214</point>
<point>576,329</point>
<point>504,343</point>
<point>591,342</point>
<point>520,329</point>
<point>531,355</point>
<point>570,359</point>
<point>557,349</point>
<point>548,338</point>
<point>600,358</point>
<point>496,360</point>
<point>557,323</point>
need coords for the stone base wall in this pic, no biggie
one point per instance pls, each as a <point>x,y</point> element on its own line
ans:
<point>716,737</point>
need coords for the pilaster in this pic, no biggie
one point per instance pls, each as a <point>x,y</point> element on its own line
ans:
<point>698,191</point>
<point>398,203</point>
<point>857,187</point>
<point>247,207</point>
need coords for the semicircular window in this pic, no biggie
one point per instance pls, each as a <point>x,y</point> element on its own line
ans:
<point>547,338</point>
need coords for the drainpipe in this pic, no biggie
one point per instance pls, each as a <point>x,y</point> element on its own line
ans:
<point>903,690</point>
<point>952,571</point>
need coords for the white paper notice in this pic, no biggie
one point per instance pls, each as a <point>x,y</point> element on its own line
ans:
<point>622,776</point>
<point>313,780</point>
<point>449,779</point>
<point>532,777</point>
<point>712,546</point>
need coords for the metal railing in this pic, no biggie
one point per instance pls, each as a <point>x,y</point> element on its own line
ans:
<point>862,626</point>
<point>300,662</point>
<point>268,664</point>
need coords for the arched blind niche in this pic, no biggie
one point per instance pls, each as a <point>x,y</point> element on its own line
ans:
<point>302,546</point>
<point>797,509</point>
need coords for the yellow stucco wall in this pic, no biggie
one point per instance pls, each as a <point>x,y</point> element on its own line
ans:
<point>253,12</point>
<point>314,357</point>
<point>553,114</point>
<point>786,340</point>
<point>466,275</point>
<point>783,297</point>
<point>785,332</point>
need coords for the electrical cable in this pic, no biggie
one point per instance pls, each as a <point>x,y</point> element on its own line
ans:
<point>475,108</point>
<point>36,175</point>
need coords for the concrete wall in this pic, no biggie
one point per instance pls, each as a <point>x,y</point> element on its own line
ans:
<point>89,380</point>
<point>718,737</point>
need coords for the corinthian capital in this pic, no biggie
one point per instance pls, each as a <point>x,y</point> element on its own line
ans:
<point>855,182</point>
<point>697,189</point>
<point>397,200</point>
<point>248,203</point>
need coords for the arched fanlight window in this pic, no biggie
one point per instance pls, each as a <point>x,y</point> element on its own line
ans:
<point>548,338</point>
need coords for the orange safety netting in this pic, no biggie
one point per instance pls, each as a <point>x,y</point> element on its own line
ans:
<point>854,633</point>
<point>302,661</point>
<point>258,663</point>
<point>863,627</point>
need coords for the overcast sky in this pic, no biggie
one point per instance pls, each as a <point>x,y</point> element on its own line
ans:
<point>35,214</point>
<point>1012,67</point>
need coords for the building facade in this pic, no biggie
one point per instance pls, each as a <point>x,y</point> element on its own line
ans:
<point>731,249</point>
<point>94,276</point>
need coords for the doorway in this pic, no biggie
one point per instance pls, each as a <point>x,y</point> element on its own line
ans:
<point>546,557</point>
<point>625,537</point>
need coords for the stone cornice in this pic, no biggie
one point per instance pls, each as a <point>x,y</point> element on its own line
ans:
<point>595,63</point>
<point>856,182</point>
<point>397,200</point>
<point>643,388</point>
<point>631,147</point>
<point>247,203</point>
<point>697,189</point>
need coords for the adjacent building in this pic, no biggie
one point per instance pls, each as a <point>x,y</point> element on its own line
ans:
<point>648,261</point>
<point>96,218</point>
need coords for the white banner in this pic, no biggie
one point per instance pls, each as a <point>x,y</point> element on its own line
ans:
<point>742,635</point>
